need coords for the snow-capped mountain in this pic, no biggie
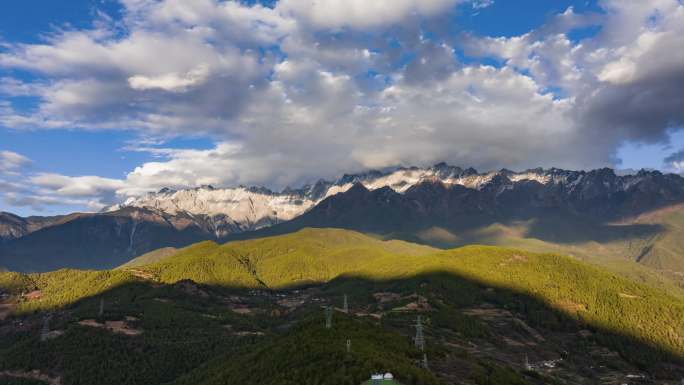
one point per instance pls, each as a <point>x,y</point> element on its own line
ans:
<point>246,208</point>
<point>401,200</point>
<point>249,208</point>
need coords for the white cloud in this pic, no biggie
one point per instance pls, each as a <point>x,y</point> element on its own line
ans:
<point>11,162</point>
<point>39,203</point>
<point>311,89</point>
<point>172,82</point>
<point>360,14</point>
<point>621,71</point>
<point>166,74</point>
<point>626,81</point>
<point>42,190</point>
<point>481,4</point>
<point>76,186</point>
<point>675,162</point>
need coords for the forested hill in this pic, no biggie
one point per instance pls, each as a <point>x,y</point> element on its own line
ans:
<point>265,287</point>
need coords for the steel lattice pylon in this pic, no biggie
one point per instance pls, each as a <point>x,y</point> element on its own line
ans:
<point>46,328</point>
<point>420,338</point>
<point>328,317</point>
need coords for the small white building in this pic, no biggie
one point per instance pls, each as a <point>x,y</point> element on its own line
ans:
<point>379,378</point>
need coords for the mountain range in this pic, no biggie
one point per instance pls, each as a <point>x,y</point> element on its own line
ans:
<point>596,215</point>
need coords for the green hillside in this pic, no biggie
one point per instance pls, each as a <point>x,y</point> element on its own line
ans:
<point>550,292</point>
<point>307,256</point>
<point>648,249</point>
<point>15,283</point>
<point>320,255</point>
<point>62,287</point>
<point>312,354</point>
<point>664,251</point>
<point>151,257</point>
<point>315,256</point>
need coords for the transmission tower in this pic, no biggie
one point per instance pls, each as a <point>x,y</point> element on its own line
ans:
<point>424,362</point>
<point>46,328</point>
<point>420,338</point>
<point>345,305</point>
<point>328,317</point>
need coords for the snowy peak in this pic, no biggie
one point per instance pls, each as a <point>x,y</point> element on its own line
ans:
<point>247,208</point>
<point>245,205</point>
<point>383,202</point>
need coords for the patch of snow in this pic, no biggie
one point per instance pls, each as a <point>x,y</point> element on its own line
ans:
<point>240,204</point>
<point>541,178</point>
<point>475,181</point>
<point>336,189</point>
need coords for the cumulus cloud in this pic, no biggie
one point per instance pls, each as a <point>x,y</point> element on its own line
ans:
<point>76,186</point>
<point>40,203</point>
<point>310,89</point>
<point>166,74</point>
<point>640,80</point>
<point>11,162</point>
<point>172,82</point>
<point>675,161</point>
<point>625,82</point>
<point>359,14</point>
<point>50,189</point>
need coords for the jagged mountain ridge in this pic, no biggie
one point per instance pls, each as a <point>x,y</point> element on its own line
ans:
<point>250,208</point>
<point>598,216</point>
<point>600,195</point>
<point>398,200</point>
<point>13,226</point>
<point>102,240</point>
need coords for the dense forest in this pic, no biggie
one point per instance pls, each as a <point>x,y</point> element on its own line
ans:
<point>251,312</point>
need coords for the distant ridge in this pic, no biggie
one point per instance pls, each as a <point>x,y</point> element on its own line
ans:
<point>440,205</point>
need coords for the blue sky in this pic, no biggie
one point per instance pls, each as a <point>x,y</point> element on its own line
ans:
<point>102,100</point>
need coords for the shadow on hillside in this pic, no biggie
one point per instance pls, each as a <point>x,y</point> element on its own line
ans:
<point>571,230</point>
<point>106,241</point>
<point>479,229</point>
<point>454,291</point>
<point>462,292</point>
